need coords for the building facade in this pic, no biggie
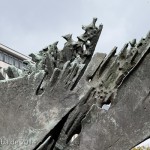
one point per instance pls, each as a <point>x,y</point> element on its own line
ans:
<point>9,57</point>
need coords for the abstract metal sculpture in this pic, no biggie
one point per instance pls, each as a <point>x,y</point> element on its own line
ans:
<point>61,93</point>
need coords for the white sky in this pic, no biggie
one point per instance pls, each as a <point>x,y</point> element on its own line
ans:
<point>145,143</point>
<point>30,25</point>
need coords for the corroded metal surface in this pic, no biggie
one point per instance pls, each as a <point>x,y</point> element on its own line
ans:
<point>60,95</point>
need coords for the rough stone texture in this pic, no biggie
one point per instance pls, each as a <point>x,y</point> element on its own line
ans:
<point>61,93</point>
<point>27,116</point>
<point>127,122</point>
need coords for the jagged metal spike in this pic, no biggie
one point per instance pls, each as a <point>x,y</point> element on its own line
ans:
<point>94,21</point>
<point>81,38</point>
<point>83,27</point>
<point>107,59</point>
<point>44,49</point>
<point>55,43</point>
<point>51,45</point>
<point>100,27</point>
<point>91,25</point>
<point>112,53</point>
<point>140,42</point>
<point>35,57</point>
<point>68,37</point>
<point>123,52</point>
<point>132,43</point>
<point>148,35</point>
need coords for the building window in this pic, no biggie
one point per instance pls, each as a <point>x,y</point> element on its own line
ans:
<point>11,60</point>
<point>1,56</point>
<point>6,58</point>
<point>22,65</point>
<point>16,63</point>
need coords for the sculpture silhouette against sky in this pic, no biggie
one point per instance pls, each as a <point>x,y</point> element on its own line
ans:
<point>60,95</point>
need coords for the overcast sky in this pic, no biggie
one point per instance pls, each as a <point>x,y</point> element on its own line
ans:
<point>30,25</point>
